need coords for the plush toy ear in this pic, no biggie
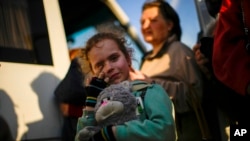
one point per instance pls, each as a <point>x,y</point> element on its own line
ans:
<point>126,84</point>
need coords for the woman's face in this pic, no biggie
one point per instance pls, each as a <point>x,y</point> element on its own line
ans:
<point>154,27</point>
<point>106,57</point>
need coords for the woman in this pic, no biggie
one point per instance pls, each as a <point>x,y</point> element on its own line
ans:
<point>109,60</point>
<point>171,64</point>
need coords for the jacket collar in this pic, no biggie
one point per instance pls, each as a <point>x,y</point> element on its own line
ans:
<point>163,49</point>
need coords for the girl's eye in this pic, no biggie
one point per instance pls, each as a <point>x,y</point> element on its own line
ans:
<point>114,58</point>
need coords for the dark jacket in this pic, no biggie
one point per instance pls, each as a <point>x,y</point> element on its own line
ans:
<point>70,89</point>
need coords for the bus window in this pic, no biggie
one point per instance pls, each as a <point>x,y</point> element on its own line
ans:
<point>23,32</point>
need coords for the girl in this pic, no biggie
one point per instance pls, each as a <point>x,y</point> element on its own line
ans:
<point>109,59</point>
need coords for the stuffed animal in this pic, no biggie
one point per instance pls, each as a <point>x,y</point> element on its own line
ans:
<point>115,105</point>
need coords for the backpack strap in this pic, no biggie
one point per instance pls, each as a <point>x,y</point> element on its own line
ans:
<point>138,87</point>
<point>142,88</point>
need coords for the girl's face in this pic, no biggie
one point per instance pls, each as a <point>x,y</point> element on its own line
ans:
<point>154,27</point>
<point>106,57</point>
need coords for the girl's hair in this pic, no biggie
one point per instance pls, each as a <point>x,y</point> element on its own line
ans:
<point>167,12</point>
<point>106,33</point>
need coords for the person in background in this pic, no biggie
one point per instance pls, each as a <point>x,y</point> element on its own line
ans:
<point>203,56</point>
<point>171,64</point>
<point>109,59</point>
<point>217,121</point>
<point>233,42</point>
<point>231,58</point>
<point>70,94</point>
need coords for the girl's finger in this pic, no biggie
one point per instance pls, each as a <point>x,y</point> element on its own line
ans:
<point>101,75</point>
<point>88,79</point>
<point>106,79</point>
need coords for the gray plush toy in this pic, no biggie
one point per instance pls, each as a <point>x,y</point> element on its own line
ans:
<point>115,105</point>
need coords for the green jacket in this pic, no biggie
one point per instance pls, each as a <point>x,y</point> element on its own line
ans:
<point>155,123</point>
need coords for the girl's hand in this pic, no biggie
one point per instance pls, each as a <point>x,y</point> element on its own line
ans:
<point>100,75</point>
<point>93,86</point>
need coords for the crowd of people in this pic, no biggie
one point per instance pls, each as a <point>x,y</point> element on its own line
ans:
<point>189,95</point>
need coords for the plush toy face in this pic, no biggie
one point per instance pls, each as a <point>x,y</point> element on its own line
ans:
<point>107,109</point>
<point>115,105</point>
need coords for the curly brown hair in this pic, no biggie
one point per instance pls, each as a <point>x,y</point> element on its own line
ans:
<point>100,36</point>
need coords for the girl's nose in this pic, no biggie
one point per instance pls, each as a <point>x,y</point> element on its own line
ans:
<point>108,67</point>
